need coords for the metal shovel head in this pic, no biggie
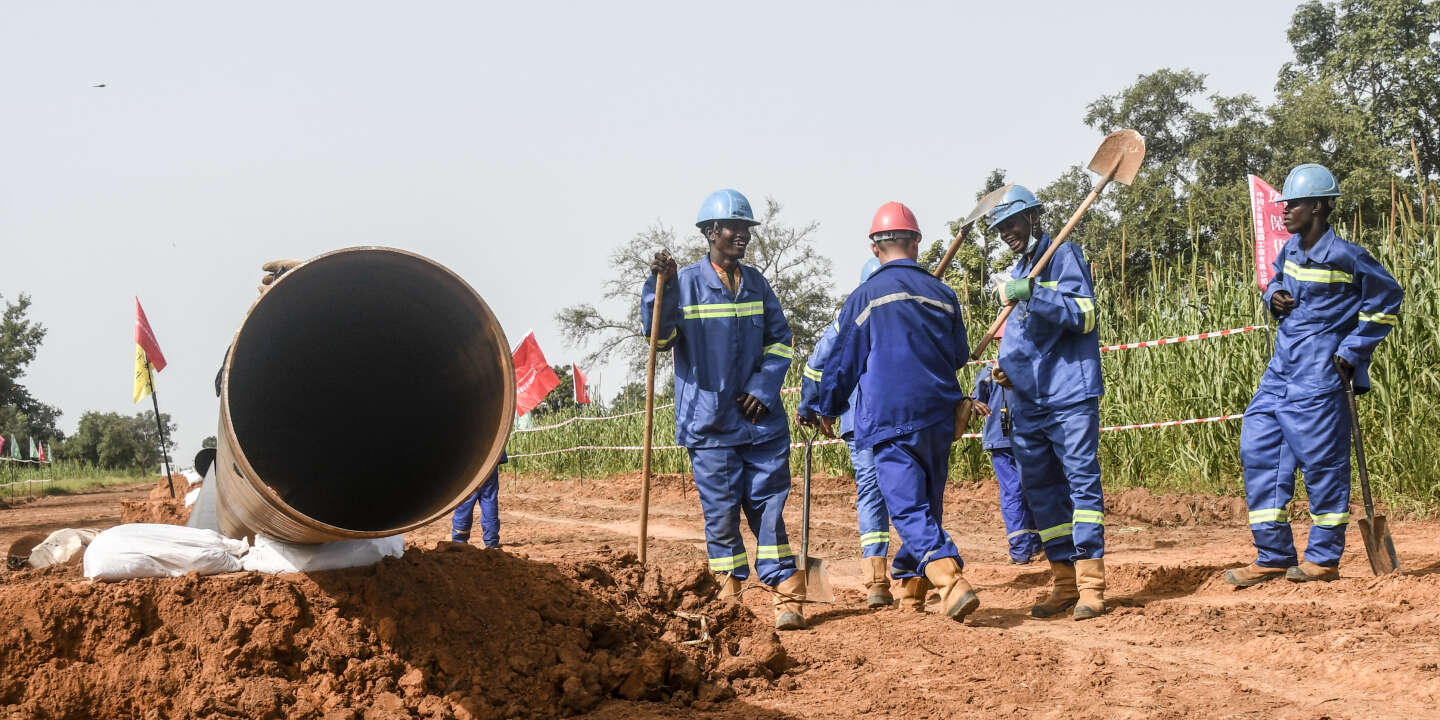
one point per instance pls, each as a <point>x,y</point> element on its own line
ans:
<point>1123,150</point>
<point>817,582</point>
<point>1379,546</point>
<point>986,203</point>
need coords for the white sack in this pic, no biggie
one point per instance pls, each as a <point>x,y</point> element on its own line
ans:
<point>61,546</point>
<point>275,556</point>
<point>140,550</point>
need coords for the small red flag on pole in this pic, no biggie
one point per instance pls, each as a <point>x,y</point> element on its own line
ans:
<point>534,378</point>
<point>582,393</point>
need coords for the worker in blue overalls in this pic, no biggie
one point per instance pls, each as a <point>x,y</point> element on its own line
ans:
<point>1334,304</point>
<point>1051,360</point>
<point>488,496</point>
<point>732,348</point>
<point>901,340</point>
<point>870,512</point>
<point>992,403</point>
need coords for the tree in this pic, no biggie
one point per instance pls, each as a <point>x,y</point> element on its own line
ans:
<point>785,254</point>
<point>116,442</point>
<point>21,415</point>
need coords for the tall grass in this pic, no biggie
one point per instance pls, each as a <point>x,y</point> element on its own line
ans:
<point>61,476</point>
<point>1400,416</point>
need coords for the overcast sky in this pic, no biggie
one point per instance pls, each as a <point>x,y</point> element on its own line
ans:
<point>515,143</point>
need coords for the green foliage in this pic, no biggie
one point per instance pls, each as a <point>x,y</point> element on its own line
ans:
<point>22,417</point>
<point>113,441</point>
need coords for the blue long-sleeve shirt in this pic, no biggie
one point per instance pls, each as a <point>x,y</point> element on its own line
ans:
<point>1345,304</point>
<point>815,372</point>
<point>901,340</point>
<point>988,391</point>
<point>724,345</point>
<point>1051,350</point>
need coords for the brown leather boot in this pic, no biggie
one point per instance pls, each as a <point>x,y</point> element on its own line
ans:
<point>1062,596</point>
<point>1307,571</point>
<point>912,594</point>
<point>1090,579</point>
<point>878,584</point>
<point>729,587</point>
<point>1252,574</point>
<point>789,602</point>
<point>957,598</point>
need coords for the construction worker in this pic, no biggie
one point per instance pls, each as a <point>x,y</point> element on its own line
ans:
<point>992,403</point>
<point>870,512</point>
<point>488,496</point>
<point>1051,360</point>
<point>732,348</point>
<point>1334,303</point>
<point>901,340</point>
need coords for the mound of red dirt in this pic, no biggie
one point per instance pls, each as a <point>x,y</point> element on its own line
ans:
<point>165,505</point>
<point>450,632</point>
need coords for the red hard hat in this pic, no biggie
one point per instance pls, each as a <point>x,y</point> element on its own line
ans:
<point>893,216</point>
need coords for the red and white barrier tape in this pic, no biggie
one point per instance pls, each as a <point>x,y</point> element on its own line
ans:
<point>818,443</point>
<point>28,482</point>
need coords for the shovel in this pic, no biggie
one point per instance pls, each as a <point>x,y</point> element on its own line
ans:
<point>817,583</point>
<point>1118,159</point>
<point>649,417</point>
<point>1379,546</point>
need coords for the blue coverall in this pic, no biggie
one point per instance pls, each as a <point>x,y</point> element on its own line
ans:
<point>1020,530</point>
<point>1051,354</point>
<point>1345,304</point>
<point>488,495</point>
<point>724,345</point>
<point>870,512</point>
<point>901,339</point>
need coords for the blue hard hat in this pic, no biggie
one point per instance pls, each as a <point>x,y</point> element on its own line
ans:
<point>870,267</point>
<point>725,205</point>
<point>1017,199</point>
<point>1309,181</point>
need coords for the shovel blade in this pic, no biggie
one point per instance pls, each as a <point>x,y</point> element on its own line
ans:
<point>1123,150</point>
<point>1379,546</point>
<point>986,203</point>
<point>817,582</point>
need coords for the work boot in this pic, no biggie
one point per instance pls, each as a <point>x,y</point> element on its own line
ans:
<point>789,599</point>
<point>1307,571</point>
<point>729,587</point>
<point>957,598</point>
<point>912,594</point>
<point>1090,579</point>
<point>1062,596</point>
<point>1252,574</point>
<point>878,584</point>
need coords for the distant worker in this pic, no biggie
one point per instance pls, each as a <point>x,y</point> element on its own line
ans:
<point>488,496</point>
<point>870,512</point>
<point>901,340</point>
<point>1334,304</point>
<point>732,348</point>
<point>1050,359</point>
<point>992,403</point>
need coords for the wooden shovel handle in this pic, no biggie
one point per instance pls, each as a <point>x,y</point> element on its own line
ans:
<point>649,417</point>
<point>1045,258</point>
<point>950,253</point>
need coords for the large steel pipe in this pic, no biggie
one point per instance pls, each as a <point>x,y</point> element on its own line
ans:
<point>366,393</point>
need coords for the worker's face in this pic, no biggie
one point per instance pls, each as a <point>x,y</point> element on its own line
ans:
<point>729,239</point>
<point>1015,231</point>
<point>1299,214</point>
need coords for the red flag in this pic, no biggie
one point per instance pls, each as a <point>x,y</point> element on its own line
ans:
<point>145,338</point>
<point>582,393</point>
<point>534,378</point>
<point>1270,232</point>
<point>42,458</point>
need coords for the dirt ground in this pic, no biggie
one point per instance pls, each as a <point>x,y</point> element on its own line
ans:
<point>1178,642</point>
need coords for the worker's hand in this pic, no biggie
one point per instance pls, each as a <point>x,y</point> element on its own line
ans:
<point>1001,378</point>
<point>274,269</point>
<point>827,427</point>
<point>1282,302</point>
<point>981,409</point>
<point>663,264</point>
<point>1346,370</point>
<point>808,419</point>
<point>751,407</point>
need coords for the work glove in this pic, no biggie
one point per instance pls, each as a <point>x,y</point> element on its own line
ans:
<point>1282,302</point>
<point>751,407</point>
<point>275,268</point>
<point>1017,290</point>
<point>663,264</point>
<point>1001,378</point>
